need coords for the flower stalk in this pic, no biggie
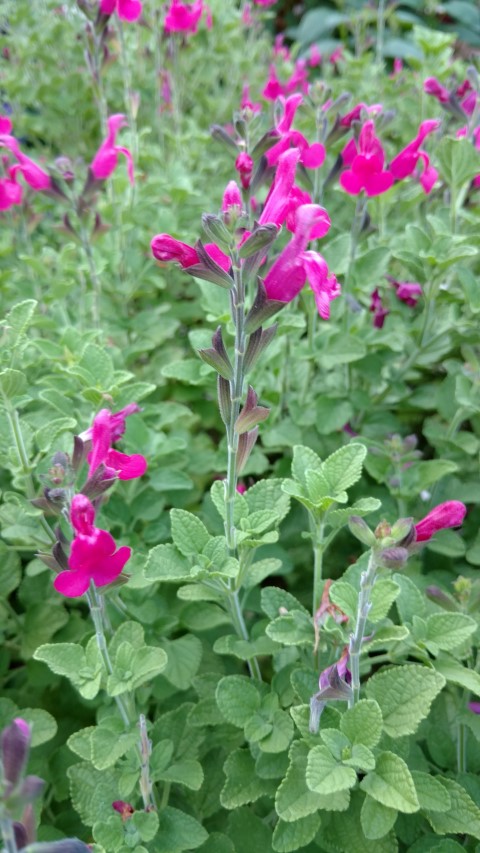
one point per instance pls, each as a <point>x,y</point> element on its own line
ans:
<point>356,639</point>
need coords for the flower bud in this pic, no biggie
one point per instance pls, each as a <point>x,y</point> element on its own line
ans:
<point>393,558</point>
<point>438,596</point>
<point>246,443</point>
<point>15,745</point>
<point>360,529</point>
<point>215,230</point>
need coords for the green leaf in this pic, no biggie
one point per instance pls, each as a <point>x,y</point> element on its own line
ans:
<point>446,631</point>
<point>344,832</point>
<point>384,593</point>
<point>242,785</point>
<point>410,602</point>
<point>345,596</point>
<point>70,660</point>
<point>166,564</point>
<point>274,600</point>
<point>49,433</point>
<point>432,794</point>
<point>80,743</point>
<point>160,758</point>
<point>455,673</point>
<point>109,833</point>
<point>217,492</point>
<point>92,792</point>
<point>391,784</point>
<point>377,819</point>
<point>404,694</point>
<point>217,842</point>
<point>325,775</point>
<point>303,459</point>
<point>108,745</point>
<point>96,361</point>
<point>237,699</point>
<point>294,629</point>
<point>268,496</point>
<point>188,533</point>
<point>294,800</point>
<point>288,837</point>
<point>146,824</point>
<point>184,656</point>
<point>458,161</point>
<point>44,726</point>
<point>344,467</point>
<point>362,758</point>
<point>463,816</point>
<point>364,506</point>
<point>362,724</point>
<point>249,832</point>
<point>188,773</point>
<point>12,383</point>
<point>179,831</point>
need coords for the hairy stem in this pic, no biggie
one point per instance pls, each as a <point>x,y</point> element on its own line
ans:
<point>366,584</point>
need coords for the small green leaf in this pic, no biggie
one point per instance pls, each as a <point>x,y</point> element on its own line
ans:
<point>391,784</point>
<point>303,459</point>
<point>146,824</point>
<point>455,673</point>
<point>363,723</point>
<point>410,602</point>
<point>12,383</point>
<point>463,816</point>
<point>344,467</point>
<point>242,785</point>
<point>188,533</point>
<point>44,726</point>
<point>237,699</point>
<point>325,775</point>
<point>432,794</point>
<point>288,837</point>
<point>377,819</point>
<point>184,657</point>
<point>384,593</point>
<point>404,694</point>
<point>166,564</point>
<point>179,831</point>
<point>449,630</point>
<point>294,629</point>
<point>188,773</point>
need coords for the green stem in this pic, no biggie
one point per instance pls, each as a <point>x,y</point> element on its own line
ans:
<point>165,796</point>
<point>96,614</point>
<point>96,286</point>
<point>356,639</point>
<point>127,89</point>
<point>16,430</point>
<point>380,31</point>
<point>462,734</point>
<point>317,530</point>
<point>8,835</point>
<point>230,484</point>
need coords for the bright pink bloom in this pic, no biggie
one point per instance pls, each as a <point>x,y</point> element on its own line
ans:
<point>311,156</point>
<point>92,555</point>
<point>397,67</point>
<point>117,423</point>
<point>280,49</point>
<point>273,87</point>
<point>185,17</point>
<point>448,514</point>
<point>356,113</point>
<point>241,488</point>
<point>277,202</point>
<point>33,174</point>
<point>10,192</point>
<point>315,57</point>
<point>432,87</point>
<point>405,162</point>
<point>244,166</point>
<point>336,55</point>
<point>127,10</point>
<point>247,19</point>
<point>475,707</point>
<point>167,248</point>
<point>289,272</point>
<point>298,81</point>
<point>232,198</point>
<point>265,2</point>
<point>105,430</point>
<point>367,172</point>
<point>5,125</point>
<point>469,103</point>
<point>407,291</point>
<point>106,159</point>
<point>378,309</point>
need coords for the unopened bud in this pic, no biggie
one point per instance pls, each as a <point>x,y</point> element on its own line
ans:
<point>393,558</point>
<point>220,134</point>
<point>15,745</point>
<point>438,596</point>
<point>215,229</point>
<point>382,530</point>
<point>360,529</point>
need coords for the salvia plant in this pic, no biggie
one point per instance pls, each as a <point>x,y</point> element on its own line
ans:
<point>240,433</point>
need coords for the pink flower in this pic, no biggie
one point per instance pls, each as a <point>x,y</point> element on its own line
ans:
<point>232,198</point>
<point>280,49</point>
<point>246,103</point>
<point>5,125</point>
<point>405,162</point>
<point>299,79</point>
<point>106,159</point>
<point>167,248</point>
<point>10,192</point>
<point>127,10</point>
<point>265,3</point>
<point>273,87</point>
<point>448,514</point>
<point>278,199</point>
<point>311,156</point>
<point>244,166</point>
<point>408,291</point>
<point>294,265</point>
<point>315,57</point>
<point>378,309</point>
<point>336,56</point>
<point>117,423</point>
<point>475,707</point>
<point>185,18</point>
<point>93,555</point>
<point>432,87</point>
<point>367,160</point>
<point>32,174</point>
<point>104,431</point>
<point>247,19</point>
<point>397,67</point>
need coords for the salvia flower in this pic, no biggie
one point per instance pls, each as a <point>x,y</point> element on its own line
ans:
<point>14,747</point>
<point>185,17</point>
<point>278,200</point>
<point>127,10</point>
<point>93,554</point>
<point>311,156</point>
<point>448,514</point>
<point>406,162</point>
<point>31,172</point>
<point>366,160</point>
<point>104,432</point>
<point>334,684</point>
<point>10,191</point>
<point>106,159</point>
<point>378,309</point>
<point>244,166</point>
<point>166,248</point>
<point>273,87</point>
<point>407,291</point>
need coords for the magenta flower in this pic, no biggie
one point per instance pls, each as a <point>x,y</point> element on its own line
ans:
<point>432,87</point>
<point>315,57</point>
<point>475,707</point>
<point>10,192</point>
<point>405,162</point>
<point>294,265</point>
<point>448,514</point>
<point>185,17</point>
<point>273,87</point>
<point>93,554</point>
<point>5,125</point>
<point>407,291</point>
<point>311,156</point>
<point>117,423</point>
<point>265,3</point>
<point>104,431</point>
<point>232,198</point>
<point>106,159</point>
<point>246,103</point>
<point>366,160</point>
<point>127,10</point>
<point>244,166</point>
<point>166,248</point>
<point>279,197</point>
<point>31,172</point>
<point>378,309</point>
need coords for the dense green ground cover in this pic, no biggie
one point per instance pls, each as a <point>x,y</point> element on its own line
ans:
<point>236,603</point>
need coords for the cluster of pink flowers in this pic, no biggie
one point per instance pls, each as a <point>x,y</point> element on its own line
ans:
<point>461,101</point>
<point>365,160</point>
<point>93,553</point>
<point>127,10</point>
<point>11,192</point>
<point>185,17</point>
